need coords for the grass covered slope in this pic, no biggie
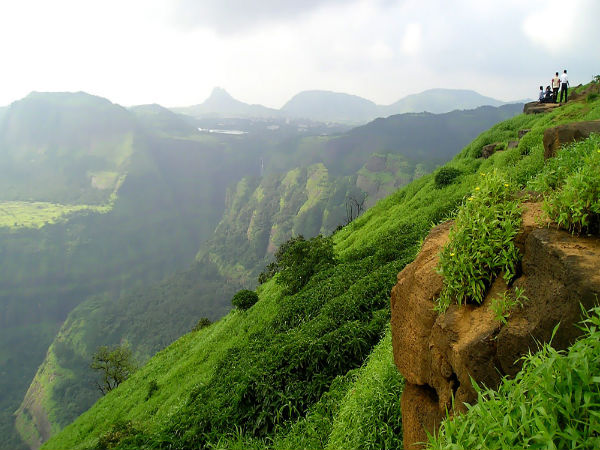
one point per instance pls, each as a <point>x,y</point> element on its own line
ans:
<point>311,369</point>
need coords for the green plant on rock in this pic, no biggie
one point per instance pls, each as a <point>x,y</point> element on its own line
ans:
<point>244,299</point>
<point>568,160</point>
<point>481,242</point>
<point>551,403</point>
<point>576,207</point>
<point>508,301</point>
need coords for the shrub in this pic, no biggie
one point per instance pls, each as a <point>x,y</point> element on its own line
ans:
<point>299,260</point>
<point>202,323</point>
<point>568,160</point>
<point>267,273</point>
<point>244,299</point>
<point>481,242</point>
<point>576,207</point>
<point>445,176</point>
<point>591,97</point>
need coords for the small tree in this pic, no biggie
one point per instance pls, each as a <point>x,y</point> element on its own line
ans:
<point>244,299</point>
<point>114,364</point>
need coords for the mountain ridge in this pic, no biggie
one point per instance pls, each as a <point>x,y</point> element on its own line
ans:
<point>330,106</point>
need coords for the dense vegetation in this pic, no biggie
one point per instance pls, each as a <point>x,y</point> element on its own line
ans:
<point>283,374</point>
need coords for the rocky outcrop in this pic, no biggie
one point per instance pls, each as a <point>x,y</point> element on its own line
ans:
<point>489,150</point>
<point>538,108</point>
<point>439,354</point>
<point>556,137</point>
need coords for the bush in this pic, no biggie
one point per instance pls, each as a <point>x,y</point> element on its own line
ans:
<point>202,323</point>
<point>481,243</point>
<point>268,273</point>
<point>576,207</point>
<point>445,176</point>
<point>299,260</point>
<point>591,97</point>
<point>244,299</point>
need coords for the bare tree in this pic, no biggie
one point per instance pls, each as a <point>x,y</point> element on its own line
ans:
<point>355,206</point>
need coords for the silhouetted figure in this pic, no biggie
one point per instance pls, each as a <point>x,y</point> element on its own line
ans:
<point>555,86</point>
<point>548,95</point>
<point>564,85</point>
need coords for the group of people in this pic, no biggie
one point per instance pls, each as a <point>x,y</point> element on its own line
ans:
<point>559,84</point>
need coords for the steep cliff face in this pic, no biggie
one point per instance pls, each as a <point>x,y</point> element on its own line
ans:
<point>440,354</point>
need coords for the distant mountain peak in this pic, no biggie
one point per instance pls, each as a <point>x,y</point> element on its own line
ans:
<point>218,93</point>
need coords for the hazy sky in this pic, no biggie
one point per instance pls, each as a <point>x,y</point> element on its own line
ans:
<point>173,52</point>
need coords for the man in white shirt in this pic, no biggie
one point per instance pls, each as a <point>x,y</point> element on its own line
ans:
<point>564,84</point>
<point>555,87</point>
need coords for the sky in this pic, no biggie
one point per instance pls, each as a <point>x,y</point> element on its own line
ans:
<point>174,52</point>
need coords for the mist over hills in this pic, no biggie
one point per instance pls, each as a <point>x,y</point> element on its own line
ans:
<point>327,106</point>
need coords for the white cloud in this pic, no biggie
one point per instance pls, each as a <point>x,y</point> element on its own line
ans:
<point>411,42</point>
<point>552,27</point>
<point>132,52</point>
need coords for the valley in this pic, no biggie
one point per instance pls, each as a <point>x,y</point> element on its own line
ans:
<point>165,227</point>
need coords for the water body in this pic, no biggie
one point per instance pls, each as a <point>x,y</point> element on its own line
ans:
<point>210,130</point>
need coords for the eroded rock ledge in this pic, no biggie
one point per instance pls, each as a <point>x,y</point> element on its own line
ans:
<point>439,354</point>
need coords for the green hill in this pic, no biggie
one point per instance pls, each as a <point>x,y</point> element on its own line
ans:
<point>64,148</point>
<point>94,204</point>
<point>308,367</point>
<point>440,101</point>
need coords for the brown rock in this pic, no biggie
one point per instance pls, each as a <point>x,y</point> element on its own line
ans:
<point>439,354</point>
<point>418,285</point>
<point>420,415</point>
<point>556,137</point>
<point>489,150</point>
<point>538,108</point>
<point>512,144</point>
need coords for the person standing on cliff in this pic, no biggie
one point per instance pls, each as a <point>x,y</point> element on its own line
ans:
<point>564,84</point>
<point>555,87</point>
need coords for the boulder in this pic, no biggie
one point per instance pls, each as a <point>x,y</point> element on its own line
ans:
<point>489,150</point>
<point>556,137</point>
<point>538,108</point>
<point>439,354</point>
<point>512,144</point>
<point>523,132</point>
